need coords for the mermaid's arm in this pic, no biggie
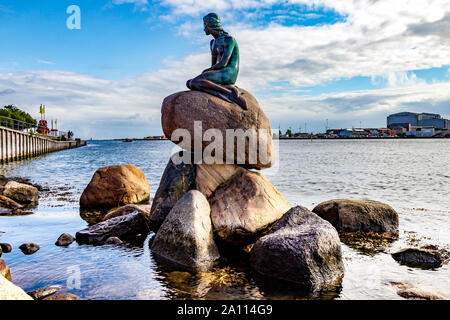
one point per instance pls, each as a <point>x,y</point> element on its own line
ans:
<point>227,52</point>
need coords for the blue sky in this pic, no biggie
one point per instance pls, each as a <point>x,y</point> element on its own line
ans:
<point>350,62</point>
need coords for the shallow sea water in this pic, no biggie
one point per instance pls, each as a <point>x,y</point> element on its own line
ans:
<point>413,176</point>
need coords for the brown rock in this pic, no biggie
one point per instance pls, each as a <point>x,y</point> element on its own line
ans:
<point>41,293</point>
<point>115,186</point>
<point>5,247</point>
<point>63,296</point>
<point>412,291</point>
<point>210,176</point>
<point>359,216</point>
<point>4,270</point>
<point>9,291</point>
<point>130,208</point>
<point>29,248</point>
<point>64,240</point>
<point>244,206</point>
<point>176,181</point>
<point>186,236</point>
<point>21,192</point>
<point>182,109</point>
<point>6,202</point>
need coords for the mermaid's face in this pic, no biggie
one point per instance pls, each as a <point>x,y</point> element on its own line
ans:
<point>206,29</point>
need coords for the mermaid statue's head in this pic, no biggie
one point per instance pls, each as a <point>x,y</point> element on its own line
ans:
<point>212,24</point>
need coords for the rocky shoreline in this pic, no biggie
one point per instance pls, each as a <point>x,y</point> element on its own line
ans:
<point>208,214</point>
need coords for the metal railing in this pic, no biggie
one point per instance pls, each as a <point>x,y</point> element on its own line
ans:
<point>29,127</point>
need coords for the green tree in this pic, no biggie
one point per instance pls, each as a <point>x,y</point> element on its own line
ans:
<point>289,133</point>
<point>14,113</point>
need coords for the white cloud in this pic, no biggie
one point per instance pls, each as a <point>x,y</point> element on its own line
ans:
<point>44,61</point>
<point>379,39</point>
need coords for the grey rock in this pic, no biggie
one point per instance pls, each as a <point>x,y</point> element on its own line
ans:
<point>123,227</point>
<point>64,240</point>
<point>177,179</point>
<point>420,258</point>
<point>359,216</point>
<point>29,248</point>
<point>301,248</point>
<point>186,236</point>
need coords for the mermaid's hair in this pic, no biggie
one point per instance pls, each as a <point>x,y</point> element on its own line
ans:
<point>212,20</point>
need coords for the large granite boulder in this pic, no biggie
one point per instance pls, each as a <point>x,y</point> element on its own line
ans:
<point>244,206</point>
<point>211,176</point>
<point>359,216</point>
<point>181,110</point>
<point>115,186</point>
<point>301,248</point>
<point>124,227</point>
<point>177,179</point>
<point>9,291</point>
<point>20,192</point>
<point>186,236</point>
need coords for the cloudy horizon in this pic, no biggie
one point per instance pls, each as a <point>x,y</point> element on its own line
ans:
<point>306,61</point>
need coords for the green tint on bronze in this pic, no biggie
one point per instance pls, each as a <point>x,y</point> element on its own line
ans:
<point>219,80</point>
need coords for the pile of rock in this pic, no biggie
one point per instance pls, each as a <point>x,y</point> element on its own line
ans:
<point>111,203</point>
<point>203,206</point>
<point>16,197</point>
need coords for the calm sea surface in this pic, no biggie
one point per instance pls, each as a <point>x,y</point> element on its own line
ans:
<point>413,176</point>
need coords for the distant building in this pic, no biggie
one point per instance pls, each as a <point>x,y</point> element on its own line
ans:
<point>407,120</point>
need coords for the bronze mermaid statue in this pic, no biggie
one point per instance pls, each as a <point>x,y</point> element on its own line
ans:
<point>220,79</point>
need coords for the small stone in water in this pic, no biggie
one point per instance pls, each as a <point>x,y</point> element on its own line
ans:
<point>42,293</point>
<point>63,296</point>
<point>5,247</point>
<point>64,240</point>
<point>29,248</point>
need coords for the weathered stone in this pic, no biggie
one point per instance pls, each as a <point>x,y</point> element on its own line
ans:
<point>113,241</point>
<point>420,258</point>
<point>20,192</point>
<point>359,215</point>
<point>6,202</point>
<point>177,179</point>
<point>5,247</point>
<point>181,110</point>
<point>245,206</point>
<point>29,248</point>
<point>64,240</point>
<point>9,291</point>
<point>41,293</point>
<point>130,208</point>
<point>115,186</point>
<point>412,291</point>
<point>123,227</point>
<point>186,235</point>
<point>209,177</point>
<point>4,270</point>
<point>301,248</point>
<point>63,296</point>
